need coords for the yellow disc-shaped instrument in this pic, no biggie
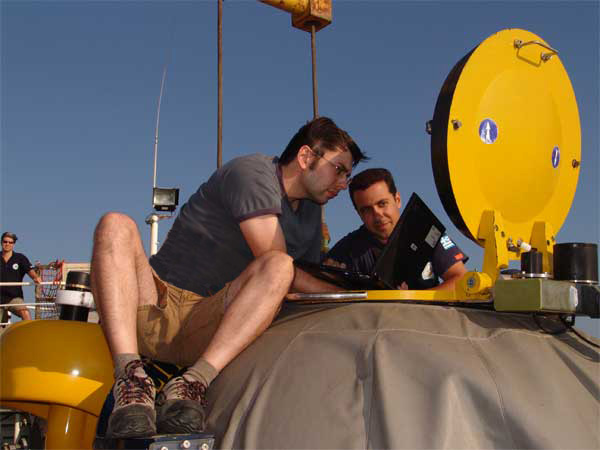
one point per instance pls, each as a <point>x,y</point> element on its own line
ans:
<point>506,136</point>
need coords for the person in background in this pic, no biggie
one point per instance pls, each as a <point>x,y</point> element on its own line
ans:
<point>14,266</point>
<point>377,202</point>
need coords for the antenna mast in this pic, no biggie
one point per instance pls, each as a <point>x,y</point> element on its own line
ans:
<point>162,85</point>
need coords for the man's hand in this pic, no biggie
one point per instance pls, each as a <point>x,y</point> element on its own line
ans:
<point>454,273</point>
<point>334,263</point>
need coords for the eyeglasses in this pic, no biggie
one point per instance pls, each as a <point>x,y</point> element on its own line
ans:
<point>7,242</point>
<point>340,170</point>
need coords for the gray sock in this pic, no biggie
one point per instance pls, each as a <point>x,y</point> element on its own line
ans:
<point>121,360</point>
<point>201,371</point>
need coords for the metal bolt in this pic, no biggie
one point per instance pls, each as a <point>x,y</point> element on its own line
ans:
<point>456,124</point>
<point>205,446</point>
<point>471,282</point>
<point>186,444</point>
<point>428,126</point>
<point>575,164</point>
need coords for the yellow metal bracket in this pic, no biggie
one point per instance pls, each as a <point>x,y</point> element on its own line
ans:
<point>305,13</point>
<point>543,240</point>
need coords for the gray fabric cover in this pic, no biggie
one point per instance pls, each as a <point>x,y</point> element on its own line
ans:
<point>390,375</point>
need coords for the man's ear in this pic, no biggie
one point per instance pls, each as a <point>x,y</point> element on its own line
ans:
<point>398,200</point>
<point>304,156</point>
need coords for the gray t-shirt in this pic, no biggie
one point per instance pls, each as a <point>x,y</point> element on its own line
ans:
<point>205,248</point>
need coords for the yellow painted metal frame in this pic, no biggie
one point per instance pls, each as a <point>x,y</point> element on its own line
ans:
<point>531,100</point>
<point>510,190</point>
<point>60,371</point>
<point>305,13</point>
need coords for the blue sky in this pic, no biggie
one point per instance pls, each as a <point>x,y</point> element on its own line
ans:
<point>80,81</point>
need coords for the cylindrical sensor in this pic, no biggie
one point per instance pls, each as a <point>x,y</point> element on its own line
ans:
<point>531,262</point>
<point>576,262</point>
<point>75,299</point>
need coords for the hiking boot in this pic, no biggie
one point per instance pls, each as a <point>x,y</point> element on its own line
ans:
<point>133,414</point>
<point>181,406</point>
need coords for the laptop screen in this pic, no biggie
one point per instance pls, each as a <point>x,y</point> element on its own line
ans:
<point>410,246</point>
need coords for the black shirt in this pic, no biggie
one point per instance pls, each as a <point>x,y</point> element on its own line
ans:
<point>13,270</point>
<point>360,249</point>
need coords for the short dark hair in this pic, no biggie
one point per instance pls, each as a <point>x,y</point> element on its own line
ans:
<point>324,133</point>
<point>13,236</point>
<point>369,177</point>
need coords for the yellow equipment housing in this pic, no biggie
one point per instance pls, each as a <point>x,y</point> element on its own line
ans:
<point>58,370</point>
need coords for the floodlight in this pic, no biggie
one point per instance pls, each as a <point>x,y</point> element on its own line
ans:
<point>165,199</point>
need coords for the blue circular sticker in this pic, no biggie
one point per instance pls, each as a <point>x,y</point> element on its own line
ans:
<point>555,157</point>
<point>488,131</point>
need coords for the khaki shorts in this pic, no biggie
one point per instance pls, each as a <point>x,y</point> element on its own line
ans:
<point>14,310</point>
<point>181,326</point>
<point>13,301</point>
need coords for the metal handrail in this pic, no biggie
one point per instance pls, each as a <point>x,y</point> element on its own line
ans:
<point>30,283</point>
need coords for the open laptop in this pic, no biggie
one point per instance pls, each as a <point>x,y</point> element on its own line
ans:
<point>407,252</point>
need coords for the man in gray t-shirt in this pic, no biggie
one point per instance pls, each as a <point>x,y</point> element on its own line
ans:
<point>206,237</point>
<point>219,278</point>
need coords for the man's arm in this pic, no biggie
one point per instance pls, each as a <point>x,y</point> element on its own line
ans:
<point>34,276</point>
<point>263,234</point>
<point>451,276</point>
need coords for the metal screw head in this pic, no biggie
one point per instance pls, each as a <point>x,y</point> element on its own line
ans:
<point>186,444</point>
<point>456,124</point>
<point>575,164</point>
<point>471,282</point>
<point>428,126</point>
<point>205,446</point>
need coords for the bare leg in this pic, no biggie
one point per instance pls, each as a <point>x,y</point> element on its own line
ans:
<point>121,280</point>
<point>253,300</point>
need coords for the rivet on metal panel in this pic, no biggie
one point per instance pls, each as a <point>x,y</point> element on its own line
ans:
<point>186,444</point>
<point>471,282</point>
<point>575,164</point>
<point>205,446</point>
<point>456,124</point>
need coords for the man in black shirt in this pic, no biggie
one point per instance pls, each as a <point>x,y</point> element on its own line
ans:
<point>377,202</point>
<point>13,267</point>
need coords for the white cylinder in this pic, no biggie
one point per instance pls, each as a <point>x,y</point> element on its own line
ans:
<point>153,234</point>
